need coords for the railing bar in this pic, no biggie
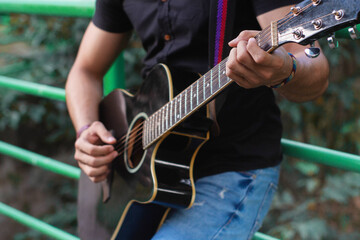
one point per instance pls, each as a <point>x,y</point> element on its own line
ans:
<point>39,160</point>
<point>65,8</point>
<point>35,223</point>
<point>36,89</point>
<point>261,236</point>
<point>345,161</point>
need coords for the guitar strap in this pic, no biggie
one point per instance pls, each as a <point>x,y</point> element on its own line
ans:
<point>222,16</point>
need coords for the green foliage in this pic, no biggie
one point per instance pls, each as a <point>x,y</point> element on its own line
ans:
<point>42,50</point>
<point>314,201</point>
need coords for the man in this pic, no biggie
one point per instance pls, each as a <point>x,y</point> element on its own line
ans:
<point>237,171</point>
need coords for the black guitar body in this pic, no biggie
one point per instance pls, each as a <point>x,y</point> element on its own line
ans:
<point>146,182</point>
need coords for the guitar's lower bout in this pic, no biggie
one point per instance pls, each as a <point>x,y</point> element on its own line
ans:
<point>146,181</point>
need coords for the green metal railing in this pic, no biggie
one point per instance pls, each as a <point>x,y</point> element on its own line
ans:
<point>35,223</point>
<point>39,160</point>
<point>114,79</point>
<point>65,8</point>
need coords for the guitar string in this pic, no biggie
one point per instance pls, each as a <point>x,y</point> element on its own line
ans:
<point>139,128</point>
<point>282,21</point>
<point>267,36</point>
<point>136,130</point>
<point>310,22</point>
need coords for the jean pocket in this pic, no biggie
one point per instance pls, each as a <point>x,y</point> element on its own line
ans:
<point>264,208</point>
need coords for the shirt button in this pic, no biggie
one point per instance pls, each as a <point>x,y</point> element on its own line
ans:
<point>167,37</point>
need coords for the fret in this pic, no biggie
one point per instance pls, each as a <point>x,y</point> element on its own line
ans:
<point>151,129</point>
<point>159,122</point>
<point>211,80</point>
<point>170,115</point>
<point>162,119</point>
<point>219,75</point>
<point>155,125</point>
<point>145,139</point>
<point>197,93</point>
<point>191,97</point>
<point>148,131</point>
<point>167,116</point>
<point>180,106</point>
<point>185,102</point>
<point>157,133</point>
<point>204,86</point>
<point>175,114</point>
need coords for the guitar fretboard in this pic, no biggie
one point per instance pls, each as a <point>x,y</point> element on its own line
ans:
<point>185,103</point>
<point>196,95</point>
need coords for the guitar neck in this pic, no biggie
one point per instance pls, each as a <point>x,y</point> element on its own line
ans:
<point>184,104</point>
<point>198,94</point>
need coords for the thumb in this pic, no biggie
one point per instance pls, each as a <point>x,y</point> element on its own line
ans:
<point>103,133</point>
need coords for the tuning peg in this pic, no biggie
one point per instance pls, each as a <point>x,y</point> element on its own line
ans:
<point>354,33</point>
<point>333,43</point>
<point>316,2</point>
<point>312,51</point>
<point>295,10</point>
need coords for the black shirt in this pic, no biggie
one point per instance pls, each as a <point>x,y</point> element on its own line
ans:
<point>176,32</point>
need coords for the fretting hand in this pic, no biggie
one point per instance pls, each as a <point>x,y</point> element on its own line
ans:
<point>250,66</point>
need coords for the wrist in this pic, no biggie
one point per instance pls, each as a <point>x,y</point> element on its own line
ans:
<point>292,74</point>
<point>81,130</point>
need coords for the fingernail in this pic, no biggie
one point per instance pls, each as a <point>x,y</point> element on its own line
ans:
<point>252,40</point>
<point>110,139</point>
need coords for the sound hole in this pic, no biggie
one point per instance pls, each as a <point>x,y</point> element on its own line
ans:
<point>134,149</point>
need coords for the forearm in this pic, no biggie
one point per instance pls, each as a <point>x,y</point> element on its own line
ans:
<point>97,52</point>
<point>83,94</point>
<point>310,79</point>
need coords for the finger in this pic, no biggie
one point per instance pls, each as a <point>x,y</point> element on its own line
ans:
<point>94,150</point>
<point>231,71</point>
<point>243,36</point>
<point>95,162</point>
<point>258,55</point>
<point>243,56</point>
<point>99,129</point>
<point>94,172</point>
<point>99,178</point>
<point>239,72</point>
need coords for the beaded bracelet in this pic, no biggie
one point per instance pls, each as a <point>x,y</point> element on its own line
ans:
<point>292,74</point>
<point>83,128</point>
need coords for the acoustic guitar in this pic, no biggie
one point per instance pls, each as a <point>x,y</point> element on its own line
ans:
<point>153,171</point>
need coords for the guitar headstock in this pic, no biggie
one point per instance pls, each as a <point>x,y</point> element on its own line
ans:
<point>314,19</point>
<point>310,20</point>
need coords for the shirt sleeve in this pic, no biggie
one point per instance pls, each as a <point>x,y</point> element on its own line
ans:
<point>263,6</point>
<point>111,17</point>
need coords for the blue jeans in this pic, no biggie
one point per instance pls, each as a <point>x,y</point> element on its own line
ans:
<point>230,205</point>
